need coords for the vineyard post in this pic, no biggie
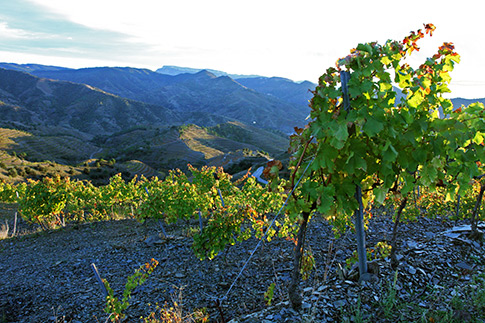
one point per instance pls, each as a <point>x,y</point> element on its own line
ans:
<point>15,221</point>
<point>360,236</point>
<point>457,212</point>
<point>220,195</point>
<point>14,225</point>
<point>359,213</point>
<point>100,281</point>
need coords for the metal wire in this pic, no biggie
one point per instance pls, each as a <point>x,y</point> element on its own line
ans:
<point>266,233</point>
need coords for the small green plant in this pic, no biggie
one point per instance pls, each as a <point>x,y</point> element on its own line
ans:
<point>357,316</point>
<point>479,296</point>
<point>382,250</point>
<point>192,231</point>
<point>115,306</point>
<point>307,264</point>
<point>269,294</point>
<point>390,300</point>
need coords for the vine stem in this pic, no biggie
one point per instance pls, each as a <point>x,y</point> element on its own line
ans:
<point>293,290</point>
<point>394,261</point>
<point>360,235</point>
<point>476,209</point>
<point>299,162</point>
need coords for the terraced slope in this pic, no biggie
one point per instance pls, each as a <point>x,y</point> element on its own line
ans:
<point>163,148</point>
<point>61,148</point>
<point>199,139</point>
<point>272,142</point>
<point>139,168</point>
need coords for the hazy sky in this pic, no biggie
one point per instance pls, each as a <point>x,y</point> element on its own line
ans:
<point>294,39</point>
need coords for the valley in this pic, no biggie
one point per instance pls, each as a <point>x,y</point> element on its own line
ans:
<point>144,122</point>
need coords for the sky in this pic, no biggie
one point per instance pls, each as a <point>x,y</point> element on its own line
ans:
<point>298,40</point>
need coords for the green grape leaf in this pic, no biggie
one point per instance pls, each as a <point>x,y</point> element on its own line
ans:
<point>380,194</point>
<point>326,199</point>
<point>355,162</point>
<point>389,153</point>
<point>341,133</point>
<point>386,61</point>
<point>372,127</point>
<point>416,99</point>
<point>384,87</point>
<point>478,139</point>
<point>475,108</point>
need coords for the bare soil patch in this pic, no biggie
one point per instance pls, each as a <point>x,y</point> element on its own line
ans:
<point>47,276</point>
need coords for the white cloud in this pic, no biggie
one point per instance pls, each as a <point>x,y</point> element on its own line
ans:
<point>7,32</point>
<point>298,40</point>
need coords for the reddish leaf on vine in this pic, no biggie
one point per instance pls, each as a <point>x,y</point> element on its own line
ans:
<point>446,48</point>
<point>430,28</point>
<point>298,130</point>
<point>420,34</point>
<point>271,168</point>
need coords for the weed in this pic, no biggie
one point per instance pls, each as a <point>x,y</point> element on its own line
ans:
<point>390,299</point>
<point>192,231</point>
<point>268,295</point>
<point>114,306</point>
<point>479,296</point>
<point>357,315</point>
<point>382,250</point>
<point>175,313</point>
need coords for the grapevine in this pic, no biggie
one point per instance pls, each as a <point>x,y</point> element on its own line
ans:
<point>382,144</point>
<point>232,211</point>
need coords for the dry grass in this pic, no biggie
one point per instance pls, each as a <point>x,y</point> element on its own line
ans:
<point>4,230</point>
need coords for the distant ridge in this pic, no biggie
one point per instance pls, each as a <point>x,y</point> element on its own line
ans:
<point>187,93</point>
<point>29,68</point>
<point>176,70</point>
<point>458,102</point>
<point>32,101</point>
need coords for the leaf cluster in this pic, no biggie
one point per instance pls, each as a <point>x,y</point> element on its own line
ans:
<point>379,140</point>
<point>231,211</point>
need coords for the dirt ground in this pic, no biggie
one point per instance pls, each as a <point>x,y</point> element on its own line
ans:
<point>47,276</point>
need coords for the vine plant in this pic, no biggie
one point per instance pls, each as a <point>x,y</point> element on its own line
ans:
<point>384,143</point>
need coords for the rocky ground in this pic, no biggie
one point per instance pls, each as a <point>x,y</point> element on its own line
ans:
<point>47,276</point>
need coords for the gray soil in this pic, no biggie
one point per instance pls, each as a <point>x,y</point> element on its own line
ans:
<point>47,276</point>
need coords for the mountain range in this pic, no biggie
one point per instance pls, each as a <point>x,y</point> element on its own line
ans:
<point>162,119</point>
<point>137,116</point>
<point>246,100</point>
